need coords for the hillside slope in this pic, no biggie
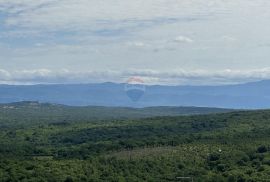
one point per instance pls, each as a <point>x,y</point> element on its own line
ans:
<point>220,147</point>
<point>28,112</point>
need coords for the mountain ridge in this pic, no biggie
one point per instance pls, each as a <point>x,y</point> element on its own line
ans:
<point>253,95</point>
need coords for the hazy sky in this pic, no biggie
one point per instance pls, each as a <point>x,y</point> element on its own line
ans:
<point>163,41</point>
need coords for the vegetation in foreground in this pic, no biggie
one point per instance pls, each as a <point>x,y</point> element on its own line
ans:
<point>216,147</point>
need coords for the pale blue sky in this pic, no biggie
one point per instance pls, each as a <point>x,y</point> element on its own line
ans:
<point>163,41</point>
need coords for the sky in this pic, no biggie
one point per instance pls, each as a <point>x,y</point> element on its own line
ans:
<point>169,42</point>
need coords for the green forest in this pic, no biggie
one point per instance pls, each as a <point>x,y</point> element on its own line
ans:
<point>43,142</point>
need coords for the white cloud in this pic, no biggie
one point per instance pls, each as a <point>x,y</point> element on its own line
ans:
<point>136,44</point>
<point>80,14</point>
<point>5,75</point>
<point>228,38</point>
<point>159,35</point>
<point>176,77</point>
<point>183,39</point>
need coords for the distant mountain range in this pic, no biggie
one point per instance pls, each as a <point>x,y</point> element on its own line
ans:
<point>255,95</point>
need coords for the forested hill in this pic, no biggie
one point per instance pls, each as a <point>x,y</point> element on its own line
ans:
<point>223,147</point>
<point>29,112</point>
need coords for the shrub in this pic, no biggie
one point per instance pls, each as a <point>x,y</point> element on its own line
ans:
<point>262,149</point>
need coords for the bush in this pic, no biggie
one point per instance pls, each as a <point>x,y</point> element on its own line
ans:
<point>262,149</point>
<point>69,179</point>
<point>213,157</point>
<point>221,167</point>
<point>231,179</point>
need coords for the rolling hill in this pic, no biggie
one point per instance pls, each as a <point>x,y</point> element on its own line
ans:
<point>220,147</point>
<point>23,113</point>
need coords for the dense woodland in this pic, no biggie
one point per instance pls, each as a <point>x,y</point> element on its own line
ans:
<point>49,143</point>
